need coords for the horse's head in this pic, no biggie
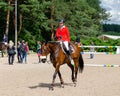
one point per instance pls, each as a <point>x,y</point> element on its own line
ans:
<point>45,50</point>
<point>3,46</point>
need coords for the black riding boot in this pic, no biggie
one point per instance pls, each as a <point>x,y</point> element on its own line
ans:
<point>68,54</point>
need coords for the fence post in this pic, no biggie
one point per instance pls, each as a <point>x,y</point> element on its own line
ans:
<point>118,50</point>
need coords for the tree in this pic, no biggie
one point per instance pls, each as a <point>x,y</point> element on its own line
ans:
<point>8,17</point>
<point>38,19</point>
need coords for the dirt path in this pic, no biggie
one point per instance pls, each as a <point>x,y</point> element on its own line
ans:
<point>34,79</point>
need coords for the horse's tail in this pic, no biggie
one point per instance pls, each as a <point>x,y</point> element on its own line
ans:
<point>81,63</point>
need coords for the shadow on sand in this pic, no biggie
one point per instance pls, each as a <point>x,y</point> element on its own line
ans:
<point>47,85</point>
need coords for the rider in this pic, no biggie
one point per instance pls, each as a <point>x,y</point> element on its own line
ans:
<point>5,39</point>
<point>62,34</point>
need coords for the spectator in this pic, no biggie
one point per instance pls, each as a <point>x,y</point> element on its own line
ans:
<point>5,39</point>
<point>23,50</point>
<point>19,53</point>
<point>26,52</point>
<point>92,50</point>
<point>11,52</point>
<point>39,50</point>
<point>77,39</point>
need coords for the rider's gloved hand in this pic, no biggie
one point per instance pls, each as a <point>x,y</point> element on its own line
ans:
<point>60,37</point>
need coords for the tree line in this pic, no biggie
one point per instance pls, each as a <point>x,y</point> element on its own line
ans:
<point>38,19</point>
<point>111,28</point>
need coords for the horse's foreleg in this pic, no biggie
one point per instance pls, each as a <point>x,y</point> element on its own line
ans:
<point>53,81</point>
<point>55,74</point>
<point>61,79</point>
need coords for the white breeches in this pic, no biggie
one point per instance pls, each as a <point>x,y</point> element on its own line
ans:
<point>66,45</point>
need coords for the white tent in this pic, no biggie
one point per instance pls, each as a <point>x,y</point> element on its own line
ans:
<point>106,37</point>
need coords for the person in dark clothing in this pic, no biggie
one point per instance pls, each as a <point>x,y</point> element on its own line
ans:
<point>77,39</point>
<point>39,50</point>
<point>23,50</point>
<point>92,50</point>
<point>11,52</point>
<point>5,39</point>
<point>19,53</point>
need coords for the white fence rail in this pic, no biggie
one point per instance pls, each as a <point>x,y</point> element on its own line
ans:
<point>117,51</point>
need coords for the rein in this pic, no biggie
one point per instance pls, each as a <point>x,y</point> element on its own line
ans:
<point>54,54</point>
<point>61,45</point>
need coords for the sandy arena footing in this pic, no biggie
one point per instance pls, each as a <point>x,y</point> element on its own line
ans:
<point>33,79</point>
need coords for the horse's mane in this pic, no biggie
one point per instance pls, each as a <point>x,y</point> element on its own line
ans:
<point>53,42</point>
<point>53,47</point>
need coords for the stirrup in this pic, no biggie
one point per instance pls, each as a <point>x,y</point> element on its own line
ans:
<point>69,57</point>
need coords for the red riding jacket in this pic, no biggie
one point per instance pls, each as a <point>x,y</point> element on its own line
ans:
<point>63,34</point>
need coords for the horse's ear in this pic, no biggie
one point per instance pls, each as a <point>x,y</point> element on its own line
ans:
<point>44,42</point>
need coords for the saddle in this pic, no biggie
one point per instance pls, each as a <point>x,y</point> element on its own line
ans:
<point>71,49</point>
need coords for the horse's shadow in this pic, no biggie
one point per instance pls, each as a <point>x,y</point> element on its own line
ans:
<point>47,85</point>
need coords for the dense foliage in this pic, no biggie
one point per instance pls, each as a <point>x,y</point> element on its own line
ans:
<point>100,42</point>
<point>111,28</point>
<point>38,19</point>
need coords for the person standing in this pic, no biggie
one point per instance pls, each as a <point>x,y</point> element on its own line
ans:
<point>92,50</point>
<point>77,39</point>
<point>19,53</point>
<point>62,34</point>
<point>23,50</point>
<point>5,39</point>
<point>26,52</point>
<point>39,50</point>
<point>11,52</point>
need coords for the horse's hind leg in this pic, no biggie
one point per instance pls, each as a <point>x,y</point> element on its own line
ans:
<point>75,80</point>
<point>72,69</point>
<point>76,72</point>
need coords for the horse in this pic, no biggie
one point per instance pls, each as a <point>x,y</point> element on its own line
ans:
<point>3,47</point>
<point>58,58</point>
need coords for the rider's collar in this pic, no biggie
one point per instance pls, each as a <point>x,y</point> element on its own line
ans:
<point>61,27</point>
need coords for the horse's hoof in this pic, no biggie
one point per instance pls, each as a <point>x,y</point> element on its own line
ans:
<point>62,86</point>
<point>51,88</point>
<point>74,84</point>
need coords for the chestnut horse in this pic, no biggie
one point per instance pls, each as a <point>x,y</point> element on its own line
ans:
<point>58,58</point>
<point>3,47</point>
